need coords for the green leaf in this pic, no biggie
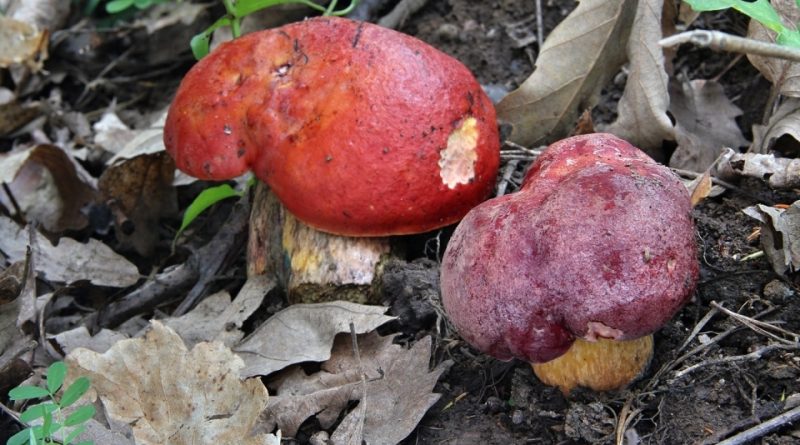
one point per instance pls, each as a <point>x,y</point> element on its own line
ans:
<point>80,415</point>
<point>74,433</point>
<point>77,389</point>
<point>86,442</point>
<point>115,6</point>
<point>37,411</point>
<point>55,376</point>
<point>200,43</point>
<point>759,10</point>
<point>25,392</point>
<point>204,200</point>
<point>22,437</point>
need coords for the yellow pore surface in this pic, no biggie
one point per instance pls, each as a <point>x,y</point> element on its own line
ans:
<point>601,365</point>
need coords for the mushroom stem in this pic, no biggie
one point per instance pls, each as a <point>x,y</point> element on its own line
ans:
<point>311,266</point>
<point>601,365</point>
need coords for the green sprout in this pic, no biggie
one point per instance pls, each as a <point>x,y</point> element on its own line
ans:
<point>760,10</point>
<point>51,411</point>
<point>237,10</point>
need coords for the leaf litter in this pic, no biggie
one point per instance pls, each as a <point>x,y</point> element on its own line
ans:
<point>327,383</point>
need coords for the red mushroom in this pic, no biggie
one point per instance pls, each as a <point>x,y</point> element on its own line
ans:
<point>574,272</point>
<point>359,130</point>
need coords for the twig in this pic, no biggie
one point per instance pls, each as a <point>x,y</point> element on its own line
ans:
<point>720,41</point>
<point>363,402</point>
<point>764,428</point>
<point>759,326</point>
<point>171,283</point>
<point>757,354</point>
<point>539,24</point>
<point>696,330</point>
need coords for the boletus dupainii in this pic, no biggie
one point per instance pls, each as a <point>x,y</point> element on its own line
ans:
<point>574,272</point>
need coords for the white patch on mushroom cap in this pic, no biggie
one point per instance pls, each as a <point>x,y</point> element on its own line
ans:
<point>457,160</point>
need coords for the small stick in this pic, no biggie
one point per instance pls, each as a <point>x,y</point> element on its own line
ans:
<point>759,326</point>
<point>700,324</point>
<point>764,428</point>
<point>720,41</point>
<point>757,354</point>
<point>539,24</point>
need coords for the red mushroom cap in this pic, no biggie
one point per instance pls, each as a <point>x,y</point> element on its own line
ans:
<point>359,130</point>
<point>599,242</point>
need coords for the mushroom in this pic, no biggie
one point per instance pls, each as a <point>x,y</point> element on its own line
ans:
<point>574,272</point>
<point>359,130</point>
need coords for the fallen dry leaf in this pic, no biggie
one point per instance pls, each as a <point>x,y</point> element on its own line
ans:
<point>110,133</point>
<point>70,261</point>
<point>21,44</point>
<point>784,74</point>
<point>216,318</point>
<point>576,61</point>
<point>642,110</point>
<point>705,124</point>
<point>81,338</point>
<point>304,333</point>
<point>170,394</point>
<point>14,115</point>
<point>140,194</point>
<point>46,187</point>
<point>780,235</point>
<point>784,122</point>
<point>779,173</point>
<point>700,188</point>
<point>396,390</point>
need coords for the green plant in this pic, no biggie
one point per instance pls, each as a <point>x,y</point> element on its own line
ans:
<point>118,6</point>
<point>237,10</point>
<point>206,199</point>
<point>759,10</point>
<point>51,411</point>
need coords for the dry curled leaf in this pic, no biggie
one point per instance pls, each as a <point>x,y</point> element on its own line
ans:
<point>780,235</point>
<point>46,187</point>
<point>577,59</point>
<point>784,122</point>
<point>705,124</point>
<point>170,394</point>
<point>70,261</point>
<point>642,110</point>
<point>217,318</point>
<point>396,390</point>
<point>140,194</point>
<point>21,44</point>
<point>304,333</point>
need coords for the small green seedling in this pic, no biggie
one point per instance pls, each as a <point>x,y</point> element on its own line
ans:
<point>53,427</point>
<point>237,10</point>
<point>760,10</point>
<point>206,199</point>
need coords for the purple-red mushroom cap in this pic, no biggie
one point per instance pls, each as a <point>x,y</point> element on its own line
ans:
<point>599,243</point>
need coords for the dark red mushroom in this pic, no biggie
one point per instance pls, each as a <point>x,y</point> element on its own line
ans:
<point>359,130</point>
<point>574,272</point>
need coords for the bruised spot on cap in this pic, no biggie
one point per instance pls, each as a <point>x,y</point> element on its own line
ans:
<point>457,160</point>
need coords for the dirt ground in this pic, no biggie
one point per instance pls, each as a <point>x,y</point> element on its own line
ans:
<point>485,401</point>
<point>700,392</point>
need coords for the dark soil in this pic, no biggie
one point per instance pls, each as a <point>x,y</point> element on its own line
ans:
<point>485,401</point>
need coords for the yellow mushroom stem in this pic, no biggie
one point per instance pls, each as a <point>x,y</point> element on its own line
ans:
<point>601,365</point>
